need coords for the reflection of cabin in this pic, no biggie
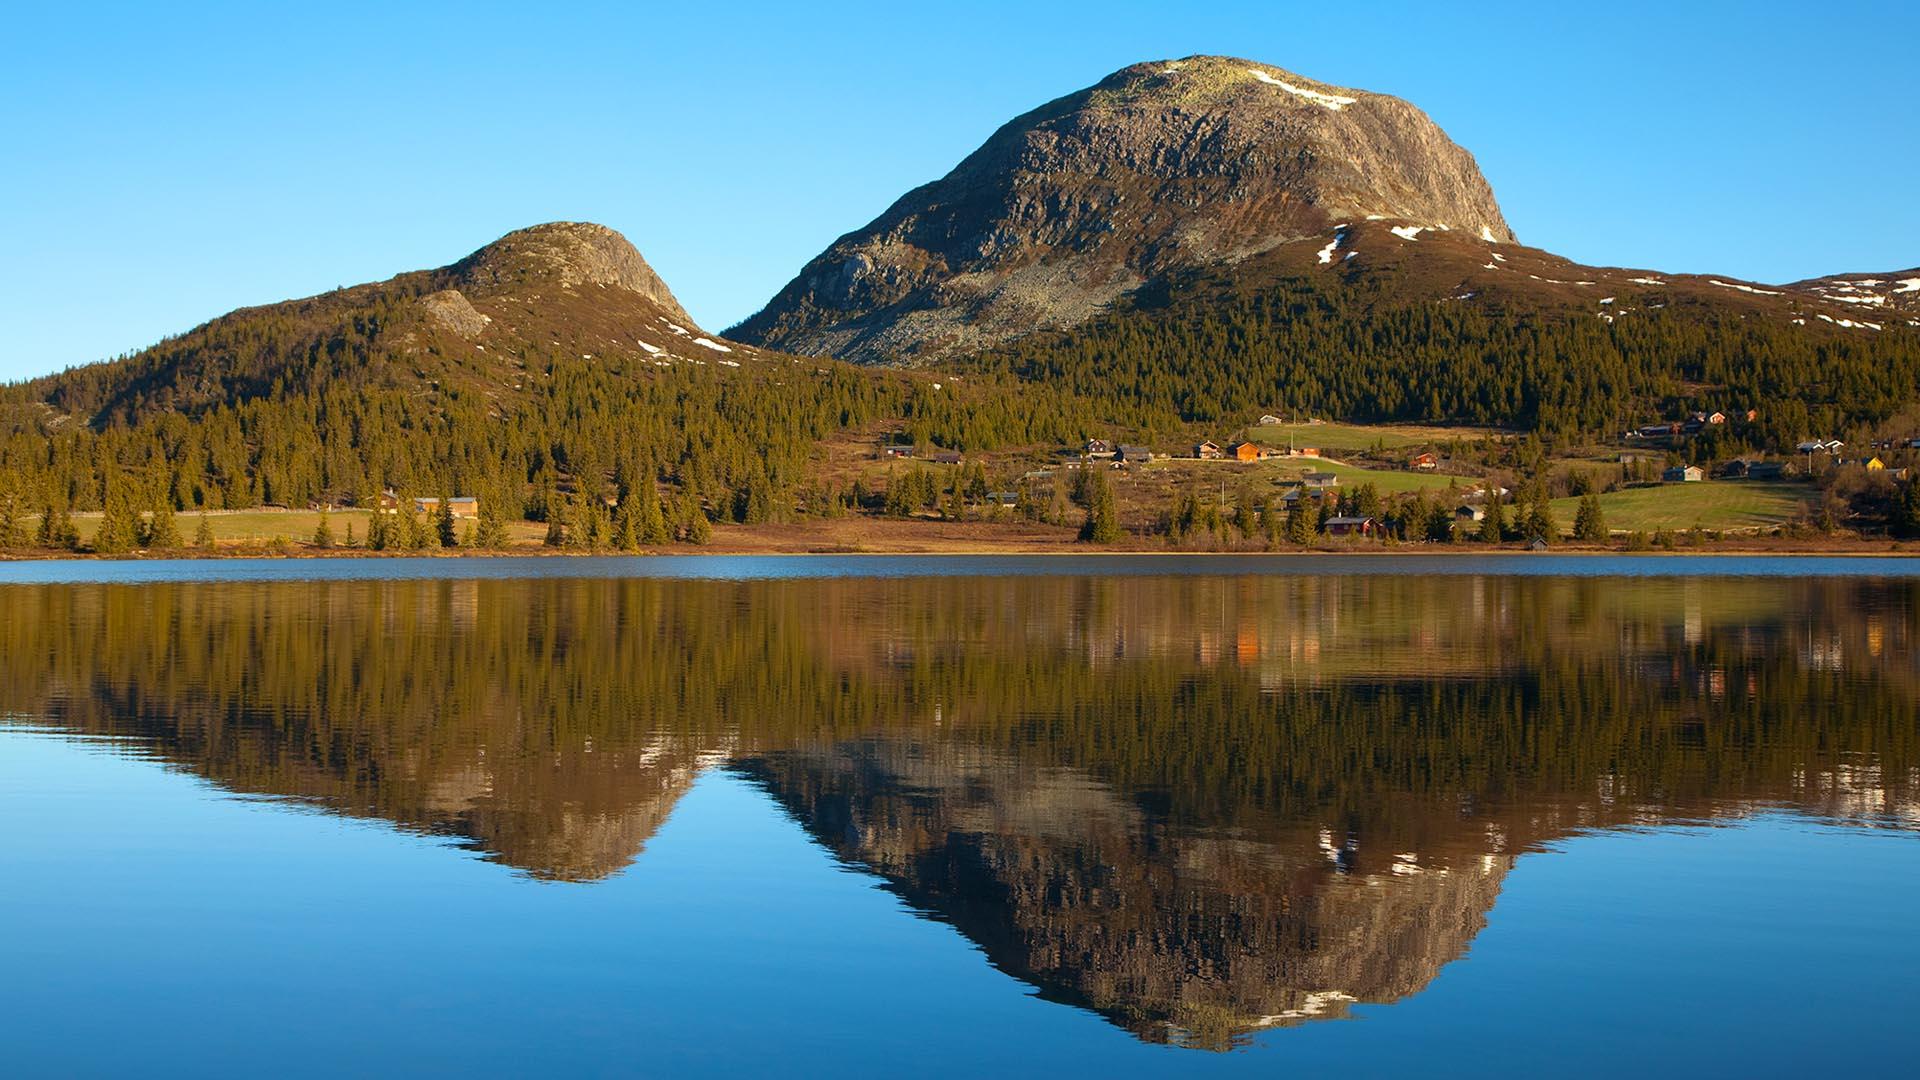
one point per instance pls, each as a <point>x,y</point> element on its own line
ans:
<point>1244,451</point>
<point>463,507</point>
<point>1321,480</point>
<point>1135,455</point>
<point>1350,526</point>
<point>1425,461</point>
<point>1683,474</point>
<point>1208,451</point>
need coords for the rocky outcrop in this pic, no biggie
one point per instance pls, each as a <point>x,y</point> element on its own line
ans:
<point>1161,165</point>
<point>567,254</point>
<point>451,310</point>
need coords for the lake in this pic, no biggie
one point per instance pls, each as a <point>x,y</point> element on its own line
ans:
<point>878,816</point>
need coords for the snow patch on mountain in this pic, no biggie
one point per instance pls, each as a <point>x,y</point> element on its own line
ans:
<point>1743,288</point>
<point>1334,102</point>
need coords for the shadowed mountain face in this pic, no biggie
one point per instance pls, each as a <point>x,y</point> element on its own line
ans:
<point>1199,806</point>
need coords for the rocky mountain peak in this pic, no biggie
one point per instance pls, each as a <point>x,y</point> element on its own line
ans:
<point>1197,161</point>
<point>567,254</point>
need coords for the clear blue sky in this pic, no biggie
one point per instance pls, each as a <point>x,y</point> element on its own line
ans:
<point>164,164</point>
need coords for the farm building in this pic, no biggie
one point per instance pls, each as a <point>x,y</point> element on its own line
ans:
<point>1350,526</point>
<point>464,507</point>
<point>1683,474</point>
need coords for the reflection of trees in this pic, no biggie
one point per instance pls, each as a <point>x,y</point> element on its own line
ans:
<point>1207,803</point>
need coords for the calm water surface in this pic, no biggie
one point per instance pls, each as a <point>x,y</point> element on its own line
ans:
<point>877,816</point>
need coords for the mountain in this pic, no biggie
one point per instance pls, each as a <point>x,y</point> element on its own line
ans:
<point>580,286</point>
<point>1112,200</point>
<point>1189,162</point>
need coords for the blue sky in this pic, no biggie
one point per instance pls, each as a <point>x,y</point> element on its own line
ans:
<point>166,163</point>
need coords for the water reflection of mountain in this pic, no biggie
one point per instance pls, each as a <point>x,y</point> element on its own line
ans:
<point>1197,805</point>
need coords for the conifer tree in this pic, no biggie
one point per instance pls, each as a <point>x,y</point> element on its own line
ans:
<point>163,529</point>
<point>443,523</point>
<point>698,530</point>
<point>11,534</point>
<point>653,518</point>
<point>626,534</point>
<point>323,531</point>
<point>1589,521</point>
<point>119,530</point>
<point>1493,527</point>
<point>490,532</point>
<point>203,534</point>
<point>1300,523</point>
<point>1102,525</point>
<point>1906,511</point>
<point>1539,521</point>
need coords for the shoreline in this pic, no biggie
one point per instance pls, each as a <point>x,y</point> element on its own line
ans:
<point>1884,550</point>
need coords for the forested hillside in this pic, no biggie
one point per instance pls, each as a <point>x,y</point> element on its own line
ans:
<point>1435,332</point>
<point>525,379</point>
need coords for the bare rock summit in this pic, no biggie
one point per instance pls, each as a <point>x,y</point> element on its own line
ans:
<point>1201,161</point>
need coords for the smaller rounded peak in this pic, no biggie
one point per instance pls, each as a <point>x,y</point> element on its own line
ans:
<point>567,254</point>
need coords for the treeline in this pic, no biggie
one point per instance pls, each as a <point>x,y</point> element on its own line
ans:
<point>735,442</point>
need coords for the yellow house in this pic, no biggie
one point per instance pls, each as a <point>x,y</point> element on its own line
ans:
<point>1874,464</point>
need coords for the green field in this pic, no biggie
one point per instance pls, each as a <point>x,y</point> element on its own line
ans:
<point>1386,481</point>
<point>1729,505</point>
<point>1357,436</point>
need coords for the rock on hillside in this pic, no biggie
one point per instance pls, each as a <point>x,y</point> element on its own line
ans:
<point>1199,161</point>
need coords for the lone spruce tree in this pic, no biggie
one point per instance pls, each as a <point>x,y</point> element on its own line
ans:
<point>1589,521</point>
<point>1102,525</point>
